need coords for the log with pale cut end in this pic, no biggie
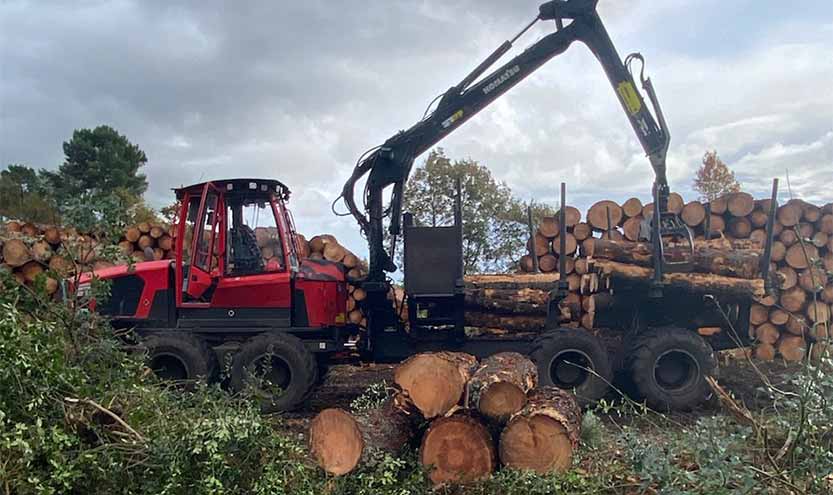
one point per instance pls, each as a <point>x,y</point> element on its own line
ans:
<point>165,242</point>
<point>740,204</point>
<point>548,227</point>
<point>499,386</point>
<point>582,231</point>
<point>675,203</point>
<point>827,260</point>
<point>434,382</point>
<point>145,241</point>
<point>333,251</point>
<point>355,316</point>
<point>806,230</point>
<point>317,243</point>
<point>765,352</point>
<point>61,265</point>
<point>52,235</point>
<point>144,227</point>
<point>778,316</point>
<point>132,234</point>
<point>41,251</point>
<point>767,333</point>
<point>572,216</point>
<point>758,314</point>
<point>810,213</point>
<point>457,449</point>
<point>547,263</point>
<point>812,279</point>
<point>350,260</point>
<point>544,435</point>
<point>818,312</point>
<point>789,214</point>
<point>588,321</point>
<point>631,228</point>
<point>613,235</point>
<point>740,227</point>
<point>788,237</point>
<point>632,207</point>
<point>353,275</point>
<point>156,231</point>
<point>126,248</point>
<point>792,348</point>
<point>758,236</point>
<point>597,216</point>
<point>31,270</point>
<point>693,213</point>
<point>582,266</point>
<point>30,230</point>
<point>820,239</point>
<point>758,218</point>
<point>794,299</point>
<point>539,245</point>
<point>788,277</point>
<point>340,441</point>
<point>16,253</point>
<point>779,250</point>
<point>359,294</point>
<point>825,224</point>
<point>796,325</point>
<point>800,255</point>
<point>720,205</point>
<point>692,282</point>
<point>13,226</point>
<point>570,245</point>
<point>717,225</point>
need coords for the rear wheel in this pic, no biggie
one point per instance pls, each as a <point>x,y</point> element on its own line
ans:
<point>179,358</point>
<point>669,366</point>
<point>277,369</point>
<point>574,360</point>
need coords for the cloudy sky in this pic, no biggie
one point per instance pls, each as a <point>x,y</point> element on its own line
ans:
<point>297,90</point>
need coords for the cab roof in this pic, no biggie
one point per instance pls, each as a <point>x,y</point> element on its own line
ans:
<point>243,186</point>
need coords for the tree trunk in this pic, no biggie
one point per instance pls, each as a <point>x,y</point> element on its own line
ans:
<point>165,242</point>
<point>546,281</point>
<point>765,352</point>
<point>572,216</point>
<point>758,218</point>
<point>675,203</point>
<point>547,263</point>
<point>544,435</point>
<point>825,224</point>
<point>457,449</point>
<point>778,317</point>
<point>52,235</point>
<point>796,325</point>
<point>31,270</point>
<point>333,251</point>
<point>341,441</point>
<point>499,386</point>
<point>41,251</point>
<point>540,244</point>
<point>524,301</point>
<point>779,251</point>
<point>434,382</point>
<point>812,279</point>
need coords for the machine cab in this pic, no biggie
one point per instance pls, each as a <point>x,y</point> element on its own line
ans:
<point>235,252</point>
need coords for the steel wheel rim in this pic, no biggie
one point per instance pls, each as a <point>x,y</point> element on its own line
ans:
<point>569,368</point>
<point>676,370</point>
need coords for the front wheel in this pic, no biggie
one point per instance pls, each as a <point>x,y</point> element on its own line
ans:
<point>277,369</point>
<point>669,367</point>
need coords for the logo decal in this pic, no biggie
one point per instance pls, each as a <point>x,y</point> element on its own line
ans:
<point>502,79</point>
<point>454,118</point>
<point>629,96</point>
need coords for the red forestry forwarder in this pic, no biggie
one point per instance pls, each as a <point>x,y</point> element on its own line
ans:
<point>279,322</point>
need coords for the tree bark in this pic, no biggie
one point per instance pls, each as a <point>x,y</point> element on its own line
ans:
<point>499,386</point>
<point>544,435</point>
<point>525,301</point>
<point>457,449</point>
<point>434,382</point>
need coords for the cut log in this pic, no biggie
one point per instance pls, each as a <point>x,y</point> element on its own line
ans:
<point>632,207</point>
<point>811,213</point>
<point>570,306</point>
<point>126,248</point>
<point>31,270</point>
<point>818,312</point>
<point>573,282</point>
<point>597,216</point>
<point>570,244</point>
<point>132,234</point>
<point>692,282</point>
<point>758,314</point>
<point>156,231</point>
<point>544,435</point>
<point>582,266</point>
<point>796,325</point>
<point>693,214</point>
<point>779,250</point>
<point>793,299</point>
<point>602,301</point>
<point>675,203</point>
<point>29,230</point>
<point>720,205</point>
<point>801,255</point>
<point>792,348</point>
<point>547,263</point>
<point>526,263</point>
<point>788,277</point>
<point>827,294</point>
<point>61,265</point>
<point>812,279</point>
<point>582,231</point>
<point>825,224</point>
<point>499,386</point>
<point>13,226</point>
<point>144,227</point>
<point>540,245</point>
<point>767,333</point>
<point>434,382</point>
<point>145,241</point>
<point>548,227</point>
<point>806,230</point>
<point>165,242</point>
<point>52,235</point>
<point>317,243</point>
<point>789,214</point>
<point>740,204</point>
<point>827,260</point>
<point>613,235</point>
<point>788,237</point>
<point>765,352</point>
<point>546,281</point>
<point>457,449</point>
<point>16,253</point>
<point>705,260</point>
<point>778,317</point>
<point>716,224</point>
<point>340,441</point>
<point>631,227</point>
<point>740,227</point>
<point>588,321</point>
<point>572,216</point>
<point>820,239</point>
<point>41,251</point>
<point>758,218</point>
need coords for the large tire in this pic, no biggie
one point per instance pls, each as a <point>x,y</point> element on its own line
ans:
<point>279,370</point>
<point>179,357</point>
<point>668,367</point>
<point>561,356</point>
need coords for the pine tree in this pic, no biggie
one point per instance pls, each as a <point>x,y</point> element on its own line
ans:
<point>714,178</point>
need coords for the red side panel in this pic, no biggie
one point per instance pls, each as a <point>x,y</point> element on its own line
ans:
<point>268,290</point>
<point>154,275</point>
<point>325,292</point>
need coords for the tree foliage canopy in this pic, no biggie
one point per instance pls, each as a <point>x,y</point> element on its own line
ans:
<point>24,195</point>
<point>494,222</point>
<point>714,178</point>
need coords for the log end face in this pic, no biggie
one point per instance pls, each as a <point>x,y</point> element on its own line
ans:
<point>501,400</point>
<point>336,441</point>
<point>538,443</point>
<point>457,449</point>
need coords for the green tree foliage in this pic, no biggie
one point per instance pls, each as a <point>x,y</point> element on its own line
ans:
<point>99,161</point>
<point>24,195</point>
<point>714,178</point>
<point>494,222</point>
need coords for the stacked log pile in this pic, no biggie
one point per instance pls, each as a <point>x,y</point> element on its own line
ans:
<point>468,417</point>
<point>606,245</point>
<point>146,242</point>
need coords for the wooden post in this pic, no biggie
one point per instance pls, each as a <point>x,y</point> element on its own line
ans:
<point>535,267</point>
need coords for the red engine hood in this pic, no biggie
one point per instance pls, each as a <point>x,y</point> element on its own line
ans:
<point>144,267</point>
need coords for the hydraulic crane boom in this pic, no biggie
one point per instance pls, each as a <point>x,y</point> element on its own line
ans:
<point>390,164</point>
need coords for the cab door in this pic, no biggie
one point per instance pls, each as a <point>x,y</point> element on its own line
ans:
<point>200,275</point>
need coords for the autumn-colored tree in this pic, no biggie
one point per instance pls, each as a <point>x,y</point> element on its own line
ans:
<point>714,178</point>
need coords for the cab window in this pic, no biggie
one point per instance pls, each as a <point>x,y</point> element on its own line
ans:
<point>254,242</point>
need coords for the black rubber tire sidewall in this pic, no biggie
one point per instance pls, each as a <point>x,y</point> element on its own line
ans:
<point>192,352</point>
<point>547,346</point>
<point>301,363</point>
<point>642,359</point>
